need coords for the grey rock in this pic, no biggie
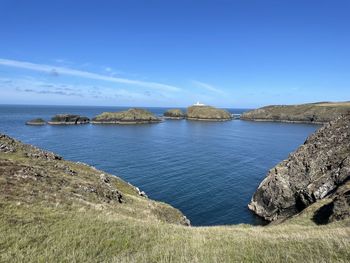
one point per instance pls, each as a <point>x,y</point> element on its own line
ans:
<point>312,172</point>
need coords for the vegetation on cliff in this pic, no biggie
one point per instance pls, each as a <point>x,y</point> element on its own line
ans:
<point>207,113</point>
<point>321,112</point>
<point>53,210</point>
<point>131,116</point>
<point>320,168</point>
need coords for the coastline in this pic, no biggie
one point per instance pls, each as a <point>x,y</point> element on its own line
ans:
<point>209,120</point>
<point>284,121</point>
<point>125,122</point>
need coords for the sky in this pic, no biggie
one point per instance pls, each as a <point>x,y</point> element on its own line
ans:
<point>162,53</point>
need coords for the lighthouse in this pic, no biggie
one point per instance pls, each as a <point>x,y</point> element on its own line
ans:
<point>198,104</point>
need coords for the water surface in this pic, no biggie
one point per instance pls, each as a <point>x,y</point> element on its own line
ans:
<point>208,170</point>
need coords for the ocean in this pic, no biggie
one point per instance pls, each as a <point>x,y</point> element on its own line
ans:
<point>208,170</point>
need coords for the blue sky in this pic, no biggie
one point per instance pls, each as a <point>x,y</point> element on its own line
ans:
<point>173,53</point>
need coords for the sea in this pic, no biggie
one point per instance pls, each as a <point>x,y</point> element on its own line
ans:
<point>208,170</point>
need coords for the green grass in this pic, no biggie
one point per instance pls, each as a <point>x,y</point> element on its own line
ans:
<point>47,215</point>
<point>37,233</point>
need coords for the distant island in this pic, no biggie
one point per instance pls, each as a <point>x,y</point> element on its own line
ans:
<point>37,121</point>
<point>201,112</point>
<point>68,119</point>
<point>198,112</point>
<point>131,116</point>
<point>175,114</point>
<point>318,113</point>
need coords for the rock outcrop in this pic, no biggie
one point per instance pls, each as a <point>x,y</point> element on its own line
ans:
<point>318,113</point>
<point>207,113</point>
<point>131,116</point>
<point>314,171</point>
<point>68,119</point>
<point>175,114</point>
<point>37,122</point>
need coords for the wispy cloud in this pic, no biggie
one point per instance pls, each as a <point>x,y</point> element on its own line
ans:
<point>55,92</point>
<point>35,86</point>
<point>84,74</point>
<point>207,86</point>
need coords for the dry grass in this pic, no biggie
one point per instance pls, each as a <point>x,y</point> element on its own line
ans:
<point>64,234</point>
<point>334,104</point>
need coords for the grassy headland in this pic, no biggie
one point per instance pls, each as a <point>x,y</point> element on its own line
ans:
<point>319,113</point>
<point>54,210</point>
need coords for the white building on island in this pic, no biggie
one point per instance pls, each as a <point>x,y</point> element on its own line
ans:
<point>198,104</point>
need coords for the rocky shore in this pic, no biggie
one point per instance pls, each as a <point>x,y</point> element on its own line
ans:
<point>318,169</point>
<point>317,113</point>
<point>131,116</point>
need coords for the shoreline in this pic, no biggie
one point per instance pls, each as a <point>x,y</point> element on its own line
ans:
<point>211,120</point>
<point>125,122</point>
<point>284,121</point>
<point>65,123</point>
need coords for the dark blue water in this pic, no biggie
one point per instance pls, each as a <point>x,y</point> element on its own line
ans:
<point>209,170</point>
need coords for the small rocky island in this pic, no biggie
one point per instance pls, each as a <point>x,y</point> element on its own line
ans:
<point>131,116</point>
<point>317,113</point>
<point>68,119</point>
<point>174,114</point>
<point>200,112</point>
<point>319,169</point>
<point>36,122</point>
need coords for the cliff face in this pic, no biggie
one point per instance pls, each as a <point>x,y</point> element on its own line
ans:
<point>315,170</point>
<point>207,113</point>
<point>131,116</point>
<point>309,113</point>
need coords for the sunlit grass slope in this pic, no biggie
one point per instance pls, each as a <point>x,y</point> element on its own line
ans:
<point>53,210</point>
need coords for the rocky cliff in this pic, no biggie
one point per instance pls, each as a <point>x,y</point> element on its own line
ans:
<point>321,112</point>
<point>316,170</point>
<point>131,116</point>
<point>207,113</point>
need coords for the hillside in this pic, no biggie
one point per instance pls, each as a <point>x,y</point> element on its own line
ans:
<point>307,113</point>
<point>53,210</point>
